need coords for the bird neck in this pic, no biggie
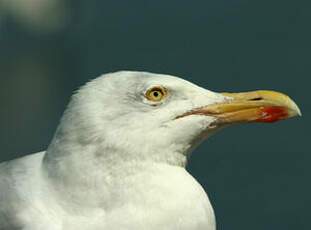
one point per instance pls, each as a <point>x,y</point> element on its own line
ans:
<point>71,162</point>
<point>64,158</point>
<point>87,173</point>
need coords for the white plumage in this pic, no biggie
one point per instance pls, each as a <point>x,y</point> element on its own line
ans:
<point>117,161</point>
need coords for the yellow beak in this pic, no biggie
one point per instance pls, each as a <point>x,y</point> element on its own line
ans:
<point>256,106</point>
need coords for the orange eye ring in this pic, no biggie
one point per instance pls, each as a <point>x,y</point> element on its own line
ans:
<point>156,94</point>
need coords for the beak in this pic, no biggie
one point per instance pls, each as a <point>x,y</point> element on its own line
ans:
<point>256,106</point>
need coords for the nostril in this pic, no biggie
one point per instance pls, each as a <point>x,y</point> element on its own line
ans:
<point>256,99</point>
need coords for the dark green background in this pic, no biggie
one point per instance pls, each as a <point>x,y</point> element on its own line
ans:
<point>257,176</point>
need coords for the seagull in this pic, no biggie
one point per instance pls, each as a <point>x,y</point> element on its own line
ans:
<point>117,160</point>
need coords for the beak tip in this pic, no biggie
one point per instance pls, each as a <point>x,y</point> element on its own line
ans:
<point>296,110</point>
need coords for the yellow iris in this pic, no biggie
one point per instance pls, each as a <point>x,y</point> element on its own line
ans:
<point>156,93</point>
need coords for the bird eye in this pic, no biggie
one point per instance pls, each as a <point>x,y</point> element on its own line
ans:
<point>156,94</point>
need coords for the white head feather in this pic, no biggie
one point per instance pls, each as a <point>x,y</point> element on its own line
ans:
<point>110,115</point>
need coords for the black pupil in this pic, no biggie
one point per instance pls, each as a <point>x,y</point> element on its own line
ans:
<point>156,93</point>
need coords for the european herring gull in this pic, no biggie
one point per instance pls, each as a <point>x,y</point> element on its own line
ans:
<point>117,160</point>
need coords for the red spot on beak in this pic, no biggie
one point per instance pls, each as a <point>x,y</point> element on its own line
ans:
<point>272,114</point>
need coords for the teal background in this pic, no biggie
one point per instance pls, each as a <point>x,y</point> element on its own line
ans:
<point>257,175</point>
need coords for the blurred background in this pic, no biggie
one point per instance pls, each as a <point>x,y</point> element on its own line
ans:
<point>257,176</point>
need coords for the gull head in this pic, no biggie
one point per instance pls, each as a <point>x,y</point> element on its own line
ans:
<point>146,116</point>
